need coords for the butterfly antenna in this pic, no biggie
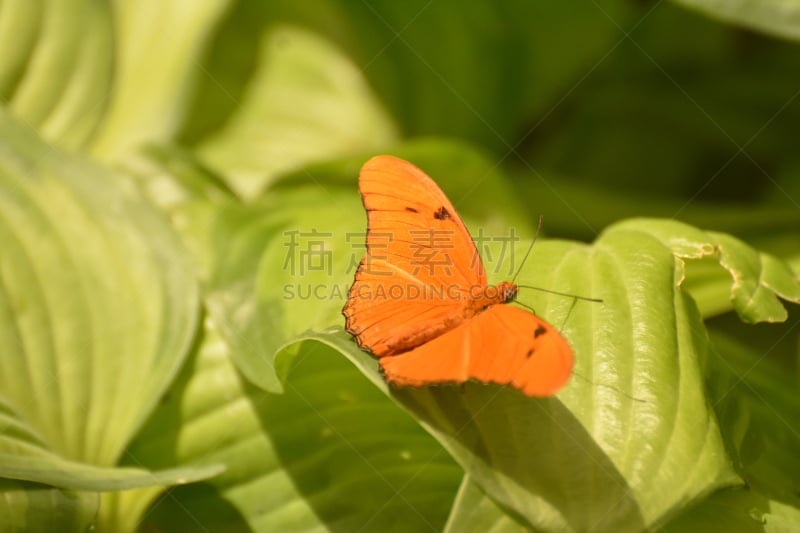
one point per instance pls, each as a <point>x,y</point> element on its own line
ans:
<point>569,312</point>
<point>526,306</point>
<point>530,248</point>
<point>577,297</point>
<point>533,241</point>
<point>609,387</point>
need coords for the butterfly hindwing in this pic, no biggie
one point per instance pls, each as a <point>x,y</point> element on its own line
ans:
<point>503,344</point>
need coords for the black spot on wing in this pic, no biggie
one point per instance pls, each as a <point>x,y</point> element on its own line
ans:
<point>441,213</point>
<point>411,210</point>
<point>540,330</point>
<point>530,353</point>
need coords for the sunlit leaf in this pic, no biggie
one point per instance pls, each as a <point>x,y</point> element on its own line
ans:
<point>614,448</point>
<point>775,17</point>
<point>759,280</point>
<point>56,68</point>
<point>305,102</point>
<point>157,60</point>
<point>292,457</point>
<point>474,511</point>
<point>98,305</point>
<point>32,507</point>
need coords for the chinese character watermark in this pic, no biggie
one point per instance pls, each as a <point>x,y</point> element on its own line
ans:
<point>307,252</point>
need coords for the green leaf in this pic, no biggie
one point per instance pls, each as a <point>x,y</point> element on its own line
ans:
<point>98,303</point>
<point>23,456</point>
<point>331,452</point>
<point>759,279</point>
<point>269,283</point>
<point>737,510</point>
<point>773,17</point>
<point>51,470</point>
<point>157,60</point>
<point>474,511</point>
<point>305,102</point>
<point>173,178</point>
<point>191,194</point>
<point>613,450</point>
<point>32,507</point>
<point>84,74</point>
<point>56,72</point>
<point>757,404</point>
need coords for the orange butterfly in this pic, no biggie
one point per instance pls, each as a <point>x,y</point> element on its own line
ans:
<point>420,301</point>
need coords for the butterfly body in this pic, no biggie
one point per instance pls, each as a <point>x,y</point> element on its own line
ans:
<point>421,303</point>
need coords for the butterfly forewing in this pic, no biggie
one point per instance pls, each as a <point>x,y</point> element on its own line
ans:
<point>420,265</point>
<point>411,221</point>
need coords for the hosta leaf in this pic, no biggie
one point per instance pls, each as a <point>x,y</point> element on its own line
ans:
<point>56,72</point>
<point>759,279</point>
<point>98,302</point>
<point>173,177</point>
<point>305,102</point>
<point>630,441</point>
<point>52,470</point>
<point>474,511</point>
<point>738,511</point>
<point>331,452</point>
<point>157,58</point>
<point>758,406</point>
<point>109,75</point>
<point>775,17</point>
<point>274,277</point>
<point>32,507</point>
